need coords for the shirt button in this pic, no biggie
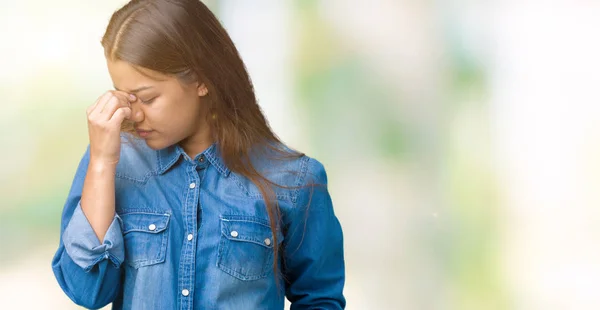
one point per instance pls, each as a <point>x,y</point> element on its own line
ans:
<point>202,158</point>
<point>152,227</point>
<point>190,237</point>
<point>234,234</point>
<point>192,185</point>
<point>268,241</point>
<point>185,292</point>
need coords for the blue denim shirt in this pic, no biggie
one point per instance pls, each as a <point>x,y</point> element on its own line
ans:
<point>191,234</point>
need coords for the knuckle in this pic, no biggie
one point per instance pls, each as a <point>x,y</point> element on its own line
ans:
<point>113,100</point>
<point>103,96</point>
<point>119,113</point>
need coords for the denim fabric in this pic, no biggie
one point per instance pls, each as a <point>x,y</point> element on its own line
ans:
<point>192,234</point>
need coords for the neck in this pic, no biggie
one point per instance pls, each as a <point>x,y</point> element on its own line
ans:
<point>197,143</point>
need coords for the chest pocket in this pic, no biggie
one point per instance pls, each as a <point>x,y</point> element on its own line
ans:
<point>145,235</point>
<point>246,247</point>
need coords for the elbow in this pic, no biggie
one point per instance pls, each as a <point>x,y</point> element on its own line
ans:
<point>89,299</point>
<point>91,289</point>
<point>91,303</point>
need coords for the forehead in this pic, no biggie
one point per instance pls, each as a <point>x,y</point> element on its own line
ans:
<point>127,77</point>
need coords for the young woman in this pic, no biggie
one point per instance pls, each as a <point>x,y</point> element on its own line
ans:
<point>185,198</point>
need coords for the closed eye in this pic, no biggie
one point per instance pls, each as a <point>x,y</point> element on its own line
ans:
<point>148,101</point>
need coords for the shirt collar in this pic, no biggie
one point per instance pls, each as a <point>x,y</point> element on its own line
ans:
<point>168,156</point>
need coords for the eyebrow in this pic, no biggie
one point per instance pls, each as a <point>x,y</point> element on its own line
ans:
<point>137,90</point>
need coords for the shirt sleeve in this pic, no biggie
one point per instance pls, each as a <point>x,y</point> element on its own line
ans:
<point>87,270</point>
<point>313,263</point>
<point>84,248</point>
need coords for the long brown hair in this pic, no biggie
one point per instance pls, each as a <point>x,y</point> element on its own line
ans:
<point>183,38</point>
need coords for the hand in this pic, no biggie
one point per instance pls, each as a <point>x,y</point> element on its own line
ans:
<point>105,117</point>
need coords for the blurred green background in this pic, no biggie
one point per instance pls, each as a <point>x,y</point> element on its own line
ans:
<point>460,139</point>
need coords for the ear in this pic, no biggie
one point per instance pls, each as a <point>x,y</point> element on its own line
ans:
<point>202,90</point>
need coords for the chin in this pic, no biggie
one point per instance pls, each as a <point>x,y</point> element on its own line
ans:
<point>156,144</point>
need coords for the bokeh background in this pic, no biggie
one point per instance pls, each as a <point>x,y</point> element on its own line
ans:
<point>460,139</point>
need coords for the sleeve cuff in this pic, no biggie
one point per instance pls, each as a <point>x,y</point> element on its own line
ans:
<point>82,245</point>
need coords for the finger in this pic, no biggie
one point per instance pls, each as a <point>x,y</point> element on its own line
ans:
<point>121,96</point>
<point>99,112</point>
<point>114,108</point>
<point>120,115</point>
<point>106,112</point>
<point>127,96</point>
<point>103,98</point>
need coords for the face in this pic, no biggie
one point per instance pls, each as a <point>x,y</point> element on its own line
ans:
<point>171,110</point>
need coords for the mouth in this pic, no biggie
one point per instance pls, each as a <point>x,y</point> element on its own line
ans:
<point>144,133</point>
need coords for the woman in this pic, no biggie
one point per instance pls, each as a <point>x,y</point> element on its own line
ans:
<point>185,198</point>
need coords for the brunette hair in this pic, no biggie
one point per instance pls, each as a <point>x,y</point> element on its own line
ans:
<point>184,39</point>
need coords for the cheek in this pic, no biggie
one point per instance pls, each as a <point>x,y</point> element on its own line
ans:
<point>190,108</point>
<point>180,114</point>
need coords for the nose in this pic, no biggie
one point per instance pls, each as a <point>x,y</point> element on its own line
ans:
<point>137,115</point>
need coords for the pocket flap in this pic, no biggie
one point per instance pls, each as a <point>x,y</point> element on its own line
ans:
<point>144,222</point>
<point>247,229</point>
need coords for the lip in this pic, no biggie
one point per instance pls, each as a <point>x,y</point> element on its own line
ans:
<point>143,133</point>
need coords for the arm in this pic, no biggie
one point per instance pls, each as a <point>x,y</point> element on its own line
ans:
<point>313,248</point>
<point>88,270</point>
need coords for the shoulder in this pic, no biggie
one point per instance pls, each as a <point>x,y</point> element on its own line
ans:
<point>298,167</point>
<point>290,173</point>
<point>315,172</point>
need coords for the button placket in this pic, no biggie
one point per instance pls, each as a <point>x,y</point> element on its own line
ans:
<point>186,282</point>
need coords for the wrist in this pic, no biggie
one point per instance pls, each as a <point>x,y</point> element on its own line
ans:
<point>98,165</point>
